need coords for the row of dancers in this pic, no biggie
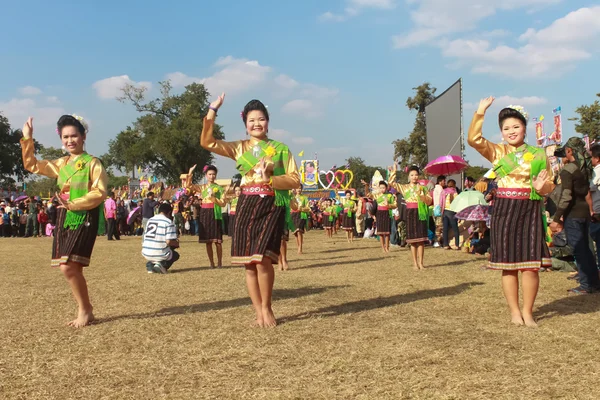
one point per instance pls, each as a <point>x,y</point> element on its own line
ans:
<point>265,208</point>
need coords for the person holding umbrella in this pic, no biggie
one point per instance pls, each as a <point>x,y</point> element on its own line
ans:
<point>518,226</point>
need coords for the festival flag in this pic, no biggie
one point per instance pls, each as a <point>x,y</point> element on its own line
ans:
<point>301,154</point>
<point>586,139</point>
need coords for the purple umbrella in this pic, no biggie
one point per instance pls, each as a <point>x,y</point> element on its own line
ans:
<point>478,212</point>
<point>446,165</point>
<point>21,198</point>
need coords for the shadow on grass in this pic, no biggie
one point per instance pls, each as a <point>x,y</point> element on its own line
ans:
<point>331,264</point>
<point>573,304</point>
<point>278,294</point>
<point>450,263</point>
<point>179,270</point>
<point>381,302</point>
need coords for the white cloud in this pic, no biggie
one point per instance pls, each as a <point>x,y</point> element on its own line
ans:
<point>30,91</point>
<point>548,52</point>
<point>110,88</point>
<point>234,76</point>
<point>44,118</point>
<point>503,101</point>
<point>437,18</point>
<point>283,135</point>
<point>52,100</point>
<point>302,107</point>
<point>237,75</point>
<point>286,82</point>
<point>355,7</point>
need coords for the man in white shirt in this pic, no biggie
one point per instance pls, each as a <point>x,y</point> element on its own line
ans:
<point>437,211</point>
<point>160,241</point>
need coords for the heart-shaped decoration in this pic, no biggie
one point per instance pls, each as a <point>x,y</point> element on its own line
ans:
<point>339,178</point>
<point>343,173</point>
<point>329,180</point>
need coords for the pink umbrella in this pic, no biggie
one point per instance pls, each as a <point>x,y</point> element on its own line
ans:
<point>446,165</point>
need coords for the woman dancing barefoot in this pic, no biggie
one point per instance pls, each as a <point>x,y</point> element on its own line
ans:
<point>300,217</point>
<point>210,227</point>
<point>269,172</point>
<point>80,216</point>
<point>348,215</point>
<point>518,221</point>
<point>386,202</point>
<point>417,213</point>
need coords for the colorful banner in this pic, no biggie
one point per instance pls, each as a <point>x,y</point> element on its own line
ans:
<point>540,136</point>
<point>556,137</point>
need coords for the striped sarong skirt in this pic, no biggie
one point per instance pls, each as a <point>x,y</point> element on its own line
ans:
<point>416,230</point>
<point>231,224</point>
<point>210,229</point>
<point>383,222</point>
<point>347,222</point>
<point>299,223</point>
<point>74,245</point>
<point>258,230</point>
<point>328,221</point>
<point>517,237</point>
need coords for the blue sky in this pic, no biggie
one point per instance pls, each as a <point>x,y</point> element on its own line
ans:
<point>335,74</point>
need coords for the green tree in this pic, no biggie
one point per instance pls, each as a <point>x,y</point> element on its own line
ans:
<point>588,122</point>
<point>51,153</point>
<point>115,181</point>
<point>475,172</point>
<point>41,186</point>
<point>11,162</point>
<point>166,137</point>
<point>361,171</point>
<point>413,150</point>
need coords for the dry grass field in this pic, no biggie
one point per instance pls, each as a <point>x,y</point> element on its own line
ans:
<point>354,324</point>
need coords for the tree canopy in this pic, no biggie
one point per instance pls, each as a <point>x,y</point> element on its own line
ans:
<point>11,164</point>
<point>166,137</point>
<point>413,150</point>
<point>588,122</point>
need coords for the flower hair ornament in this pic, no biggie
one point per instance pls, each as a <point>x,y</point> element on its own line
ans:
<point>79,118</point>
<point>205,168</point>
<point>520,110</point>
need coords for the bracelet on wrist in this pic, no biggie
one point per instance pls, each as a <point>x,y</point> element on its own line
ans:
<point>213,108</point>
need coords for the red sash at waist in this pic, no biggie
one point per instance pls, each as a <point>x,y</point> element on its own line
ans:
<point>517,194</point>
<point>258,190</point>
<point>382,208</point>
<point>208,205</point>
<point>412,205</point>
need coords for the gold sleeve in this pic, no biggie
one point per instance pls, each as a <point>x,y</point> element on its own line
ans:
<point>41,167</point>
<point>392,205</point>
<point>427,197</point>
<point>226,149</point>
<point>491,151</point>
<point>97,191</point>
<point>294,204</point>
<point>291,179</point>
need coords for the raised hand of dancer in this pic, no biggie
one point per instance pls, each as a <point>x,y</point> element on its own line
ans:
<point>218,102</point>
<point>261,169</point>
<point>540,180</point>
<point>28,128</point>
<point>484,104</point>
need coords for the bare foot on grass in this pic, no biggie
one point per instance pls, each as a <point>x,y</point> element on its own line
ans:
<point>517,319</point>
<point>269,320</point>
<point>529,321</point>
<point>83,319</point>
